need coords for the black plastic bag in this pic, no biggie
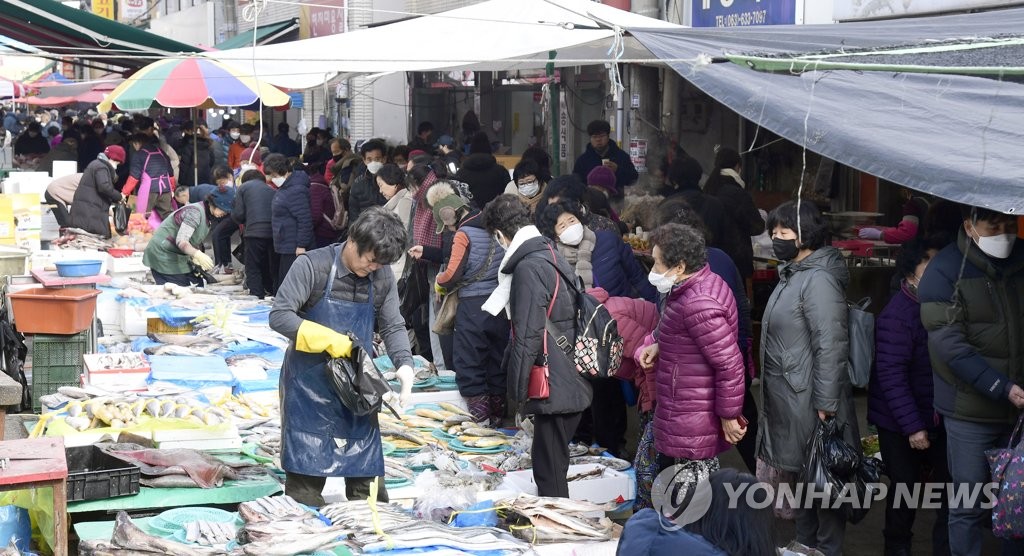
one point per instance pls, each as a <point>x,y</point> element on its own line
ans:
<point>122,212</point>
<point>357,382</point>
<point>834,465</point>
<point>840,458</point>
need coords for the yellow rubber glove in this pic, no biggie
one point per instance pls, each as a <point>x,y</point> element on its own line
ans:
<point>317,338</point>
<point>439,290</point>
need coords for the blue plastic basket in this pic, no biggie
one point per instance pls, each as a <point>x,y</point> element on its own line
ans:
<point>77,269</point>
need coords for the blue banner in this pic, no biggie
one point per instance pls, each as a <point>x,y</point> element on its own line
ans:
<point>298,100</point>
<point>742,13</point>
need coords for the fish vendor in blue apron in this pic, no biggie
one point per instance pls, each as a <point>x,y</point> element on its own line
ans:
<point>332,297</point>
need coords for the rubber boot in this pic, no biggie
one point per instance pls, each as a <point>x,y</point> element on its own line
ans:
<point>479,408</point>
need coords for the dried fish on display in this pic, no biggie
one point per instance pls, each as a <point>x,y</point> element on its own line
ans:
<point>541,519</point>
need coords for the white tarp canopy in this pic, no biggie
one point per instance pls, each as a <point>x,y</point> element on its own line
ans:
<point>497,35</point>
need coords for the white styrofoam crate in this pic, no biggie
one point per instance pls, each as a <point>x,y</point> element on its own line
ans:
<point>612,486</point>
<point>135,320</point>
<point>43,259</point>
<point>129,264</point>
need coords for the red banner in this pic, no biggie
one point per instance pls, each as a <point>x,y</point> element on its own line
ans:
<point>326,18</point>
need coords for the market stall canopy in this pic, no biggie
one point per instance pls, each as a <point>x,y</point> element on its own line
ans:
<point>497,35</point>
<point>60,30</point>
<point>50,80</point>
<point>191,83</point>
<point>63,95</point>
<point>271,32</point>
<point>946,119</point>
<point>11,89</point>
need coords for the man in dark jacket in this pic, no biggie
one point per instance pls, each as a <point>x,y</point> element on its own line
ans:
<point>290,212</point>
<point>421,141</point>
<point>604,151</point>
<point>972,304</point>
<point>31,142</point>
<point>283,143</point>
<point>67,150</point>
<point>96,192</point>
<point>486,178</point>
<point>726,184</point>
<point>252,209</point>
<point>531,289</point>
<point>365,193</point>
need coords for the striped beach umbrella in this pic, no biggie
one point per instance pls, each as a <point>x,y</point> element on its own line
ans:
<point>191,83</point>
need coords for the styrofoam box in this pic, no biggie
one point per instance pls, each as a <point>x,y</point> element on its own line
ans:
<point>114,380</point>
<point>132,264</point>
<point>42,259</point>
<point>134,320</point>
<point>450,396</point>
<point>608,488</point>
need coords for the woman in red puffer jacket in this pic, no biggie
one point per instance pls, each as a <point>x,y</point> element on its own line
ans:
<point>697,363</point>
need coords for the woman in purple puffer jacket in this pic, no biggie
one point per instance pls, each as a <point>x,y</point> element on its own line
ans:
<point>697,363</point>
<point>910,433</point>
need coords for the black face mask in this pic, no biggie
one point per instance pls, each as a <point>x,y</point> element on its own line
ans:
<point>785,249</point>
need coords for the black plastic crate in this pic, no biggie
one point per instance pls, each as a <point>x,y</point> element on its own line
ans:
<point>56,361</point>
<point>95,475</point>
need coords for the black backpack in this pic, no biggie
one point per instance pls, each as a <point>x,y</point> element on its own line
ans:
<point>598,349</point>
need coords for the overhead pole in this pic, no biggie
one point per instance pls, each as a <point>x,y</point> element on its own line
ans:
<point>553,90</point>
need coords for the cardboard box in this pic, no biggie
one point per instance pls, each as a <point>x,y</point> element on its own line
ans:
<point>610,487</point>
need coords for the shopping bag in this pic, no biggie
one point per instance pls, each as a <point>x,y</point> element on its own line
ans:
<point>838,468</point>
<point>122,212</point>
<point>1007,466</point>
<point>862,342</point>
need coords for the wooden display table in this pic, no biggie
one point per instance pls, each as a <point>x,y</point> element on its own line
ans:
<point>39,463</point>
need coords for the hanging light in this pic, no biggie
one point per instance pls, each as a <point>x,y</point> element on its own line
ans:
<point>232,111</point>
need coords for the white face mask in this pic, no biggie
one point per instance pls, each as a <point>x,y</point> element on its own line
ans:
<point>114,164</point>
<point>529,189</point>
<point>572,235</point>
<point>277,180</point>
<point>246,167</point>
<point>998,247</point>
<point>662,282</point>
<point>234,135</point>
<point>374,167</point>
<point>245,138</point>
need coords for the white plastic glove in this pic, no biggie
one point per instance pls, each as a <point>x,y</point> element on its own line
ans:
<point>406,376</point>
<point>394,400</point>
<point>202,260</point>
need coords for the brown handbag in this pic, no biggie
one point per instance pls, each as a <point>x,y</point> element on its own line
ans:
<point>444,319</point>
<point>539,387</point>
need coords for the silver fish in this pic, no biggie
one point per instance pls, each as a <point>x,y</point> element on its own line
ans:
<point>128,535</point>
<point>291,545</point>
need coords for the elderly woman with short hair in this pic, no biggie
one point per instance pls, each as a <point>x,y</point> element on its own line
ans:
<point>697,362</point>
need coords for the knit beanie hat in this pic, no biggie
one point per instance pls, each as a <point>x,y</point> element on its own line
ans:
<point>602,176</point>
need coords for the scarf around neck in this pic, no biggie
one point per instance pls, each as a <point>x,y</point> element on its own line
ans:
<point>734,175</point>
<point>579,256</point>
<point>501,294</point>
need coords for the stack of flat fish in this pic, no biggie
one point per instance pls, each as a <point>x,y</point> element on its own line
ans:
<point>402,531</point>
<point>280,526</point>
<point>561,519</point>
<point>189,468</point>
<point>129,540</point>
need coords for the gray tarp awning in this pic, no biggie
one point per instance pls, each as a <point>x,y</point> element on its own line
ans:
<point>954,136</point>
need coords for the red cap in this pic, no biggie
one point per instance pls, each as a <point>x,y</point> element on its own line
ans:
<point>115,153</point>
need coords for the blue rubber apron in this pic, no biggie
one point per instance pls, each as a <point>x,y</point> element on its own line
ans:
<point>320,436</point>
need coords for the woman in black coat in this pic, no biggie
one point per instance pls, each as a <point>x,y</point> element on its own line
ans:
<point>96,192</point>
<point>486,178</point>
<point>726,184</point>
<point>527,288</point>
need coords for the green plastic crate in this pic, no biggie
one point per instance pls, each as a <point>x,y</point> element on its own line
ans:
<point>56,361</point>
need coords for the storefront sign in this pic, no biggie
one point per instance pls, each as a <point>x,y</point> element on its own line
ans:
<point>742,13</point>
<point>327,17</point>
<point>103,8</point>
<point>563,128</point>
<point>847,10</point>
<point>132,9</point>
<point>638,154</point>
<point>298,99</point>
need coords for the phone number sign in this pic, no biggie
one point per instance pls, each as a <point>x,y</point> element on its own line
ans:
<point>743,13</point>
